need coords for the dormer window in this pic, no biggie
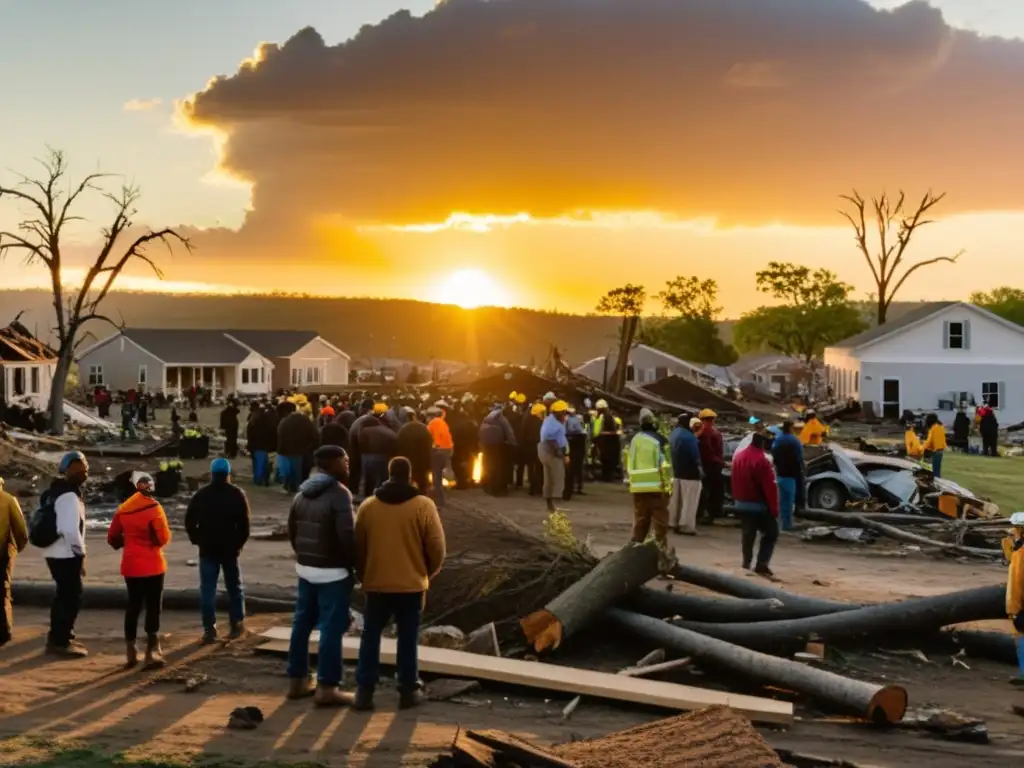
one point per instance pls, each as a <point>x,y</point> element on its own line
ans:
<point>956,334</point>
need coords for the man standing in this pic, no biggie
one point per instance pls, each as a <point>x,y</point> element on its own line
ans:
<point>377,445</point>
<point>712,459</point>
<point>441,452</point>
<point>261,439</point>
<point>217,521</point>
<point>415,442</point>
<point>229,423</point>
<point>576,433</point>
<point>687,473</point>
<point>788,456</point>
<point>552,450</point>
<point>65,557</point>
<point>607,431</point>
<point>13,539</point>
<point>297,438</point>
<point>321,530</point>
<point>756,498</point>
<point>647,468</point>
<point>400,547</point>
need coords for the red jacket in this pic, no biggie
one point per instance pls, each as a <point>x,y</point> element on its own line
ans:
<point>140,526</point>
<point>753,479</point>
<point>712,448</point>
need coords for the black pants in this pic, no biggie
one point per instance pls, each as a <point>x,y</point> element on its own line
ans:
<point>67,598</point>
<point>608,449</point>
<point>990,445</point>
<point>231,442</point>
<point>148,592</point>
<point>712,494</point>
<point>462,468</point>
<point>577,463</point>
<point>6,609</point>
<point>755,523</point>
<point>494,470</point>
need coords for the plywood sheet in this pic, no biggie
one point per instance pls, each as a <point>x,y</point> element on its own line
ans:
<point>578,682</point>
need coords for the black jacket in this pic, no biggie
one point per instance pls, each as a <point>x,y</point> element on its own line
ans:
<point>464,434</point>
<point>261,432</point>
<point>229,418</point>
<point>217,520</point>
<point>415,442</point>
<point>321,526</point>
<point>297,435</point>
<point>377,439</point>
<point>334,433</point>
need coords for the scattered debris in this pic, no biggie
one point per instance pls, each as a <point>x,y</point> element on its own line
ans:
<point>446,688</point>
<point>245,718</point>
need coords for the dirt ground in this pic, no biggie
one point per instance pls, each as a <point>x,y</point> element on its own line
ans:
<point>47,703</point>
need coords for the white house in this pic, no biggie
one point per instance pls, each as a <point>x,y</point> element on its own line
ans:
<point>26,367</point>
<point>932,358</point>
<point>173,360</point>
<point>647,365</point>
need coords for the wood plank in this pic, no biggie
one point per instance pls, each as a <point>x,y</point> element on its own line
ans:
<point>519,750</point>
<point>582,682</point>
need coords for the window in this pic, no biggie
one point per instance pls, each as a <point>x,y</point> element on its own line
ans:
<point>245,375</point>
<point>96,376</point>
<point>34,381</point>
<point>630,373</point>
<point>143,374</point>
<point>312,375</point>
<point>263,375</point>
<point>992,393</point>
<point>19,381</point>
<point>957,334</point>
<point>254,375</point>
<point>296,377</point>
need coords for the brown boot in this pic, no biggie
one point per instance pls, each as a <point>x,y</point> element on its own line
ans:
<point>131,655</point>
<point>154,658</point>
<point>332,696</point>
<point>300,688</point>
<point>237,630</point>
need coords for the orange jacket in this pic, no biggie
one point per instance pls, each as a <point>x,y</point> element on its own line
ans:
<point>442,435</point>
<point>140,525</point>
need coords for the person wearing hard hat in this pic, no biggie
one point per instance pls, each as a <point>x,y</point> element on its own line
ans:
<point>527,461</point>
<point>1013,548</point>
<point>377,446</point>
<point>443,446</point>
<point>712,459</point>
<point>549,399</point>
<point>139,529</point>
<point>684,450</point>
<point>814,431</point>
<point>553,451</point>
<point>576,432</point>
<point>650,480</point>
<point>607,432</point>
<point>13,539</point>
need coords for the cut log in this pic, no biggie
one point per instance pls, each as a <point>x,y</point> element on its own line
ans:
<point>848,520</point>
<point>743,587</point>
<point>612,578</point>
<point>661,603</point>
<point>519,750</point>
<point>874,703</point>
<point>920,615</point>
<point>994,646</point>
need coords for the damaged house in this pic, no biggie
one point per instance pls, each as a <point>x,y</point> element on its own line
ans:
<point>26,367</point>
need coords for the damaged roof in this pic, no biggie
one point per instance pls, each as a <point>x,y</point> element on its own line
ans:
<point>18,345</point>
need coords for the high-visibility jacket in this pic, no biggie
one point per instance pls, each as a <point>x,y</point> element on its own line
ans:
<point>813,432</point>
<point>1015,577</point>
<point>913,443</point>
<point>598,425</point>
<point>647,465</point>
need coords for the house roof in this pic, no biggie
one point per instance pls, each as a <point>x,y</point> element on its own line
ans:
<point>653,350</point>
<point>907,319</point>
<point>179,346</point>
<point>18,345</point>
<point>274,343</point>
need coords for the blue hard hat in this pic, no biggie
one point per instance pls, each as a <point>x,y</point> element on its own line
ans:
<point>220,466</point>
<point>70,458</point>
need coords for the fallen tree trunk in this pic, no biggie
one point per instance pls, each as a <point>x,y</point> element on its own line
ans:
<point>743,587</point>
<point>111,598</point>
<point>612,578</point>
<point>994,646</point>
<point>848,520</point>
<point>886,620</point>
<point>874,703</point>
<point>661,604</point>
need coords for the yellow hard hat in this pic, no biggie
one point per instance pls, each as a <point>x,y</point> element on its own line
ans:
<point>520,398</point>
<point>601,404</point>
<point>559,406</point>
<point>538,409</point>
<point>380,408</point>
<point>707,413</point>
<point>513,395</point>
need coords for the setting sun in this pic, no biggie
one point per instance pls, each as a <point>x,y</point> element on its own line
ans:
<point>471,288</point>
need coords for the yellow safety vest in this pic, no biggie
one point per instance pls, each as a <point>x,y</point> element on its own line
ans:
<point>647,466</point>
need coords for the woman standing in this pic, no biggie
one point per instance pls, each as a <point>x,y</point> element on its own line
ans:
<point>140,530</point>
<point>935,443</point>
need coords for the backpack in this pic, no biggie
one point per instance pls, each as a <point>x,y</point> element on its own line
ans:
<point>42,525</point>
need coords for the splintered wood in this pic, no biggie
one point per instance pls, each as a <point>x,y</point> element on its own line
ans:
<point>715,737</point>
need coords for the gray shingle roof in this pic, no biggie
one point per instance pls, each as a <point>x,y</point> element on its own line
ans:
<point>918,313</point>
<point>183,346</point>
<point>274,343</point>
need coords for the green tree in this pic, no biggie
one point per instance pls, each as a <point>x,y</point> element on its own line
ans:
<point>49,204</point>
<point>894,222</point>
<point>816,312</point>
<point>1004,301</point>
<point>628,302</point>
<point>693,333</point>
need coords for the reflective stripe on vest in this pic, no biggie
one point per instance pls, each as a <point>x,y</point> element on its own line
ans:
<point>646,465</point>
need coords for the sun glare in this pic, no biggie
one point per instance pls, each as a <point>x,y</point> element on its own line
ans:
<point>471,288</point>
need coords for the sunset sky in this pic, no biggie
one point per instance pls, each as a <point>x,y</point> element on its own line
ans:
<point>525,152</point>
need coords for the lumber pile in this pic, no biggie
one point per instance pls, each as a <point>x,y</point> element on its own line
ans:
<point>714,737</point>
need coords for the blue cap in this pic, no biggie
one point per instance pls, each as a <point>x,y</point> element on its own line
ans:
<point>754,420</point>
<point>70,458</point>
<point>220,466</point>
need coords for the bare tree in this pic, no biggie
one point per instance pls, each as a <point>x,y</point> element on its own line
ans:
<point>627,301</point>
<point>50,201</point>
<point>895,224</point>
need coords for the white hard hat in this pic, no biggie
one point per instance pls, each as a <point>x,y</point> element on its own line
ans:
<point>1017,519</point>
<point>550,396</point>
<point>602,404</point>
<point>586,403</point>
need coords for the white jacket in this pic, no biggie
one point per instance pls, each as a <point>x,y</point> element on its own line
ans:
<point>70,541</point>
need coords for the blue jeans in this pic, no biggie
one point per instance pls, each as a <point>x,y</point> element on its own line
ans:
<point>209,573</point>
<point>260,468</point>
<point>787,501</point>
<point>323,607</point>
<point>1020,653</point>
<point>937,463</point>
<point>375,472</point>
<point>406,608</point>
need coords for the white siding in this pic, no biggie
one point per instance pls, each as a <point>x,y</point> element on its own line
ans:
<point>35,380</point>
<point>646,362</point>
<point>329,365</point>
<point>120,360</point>
<point>253,376</point>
